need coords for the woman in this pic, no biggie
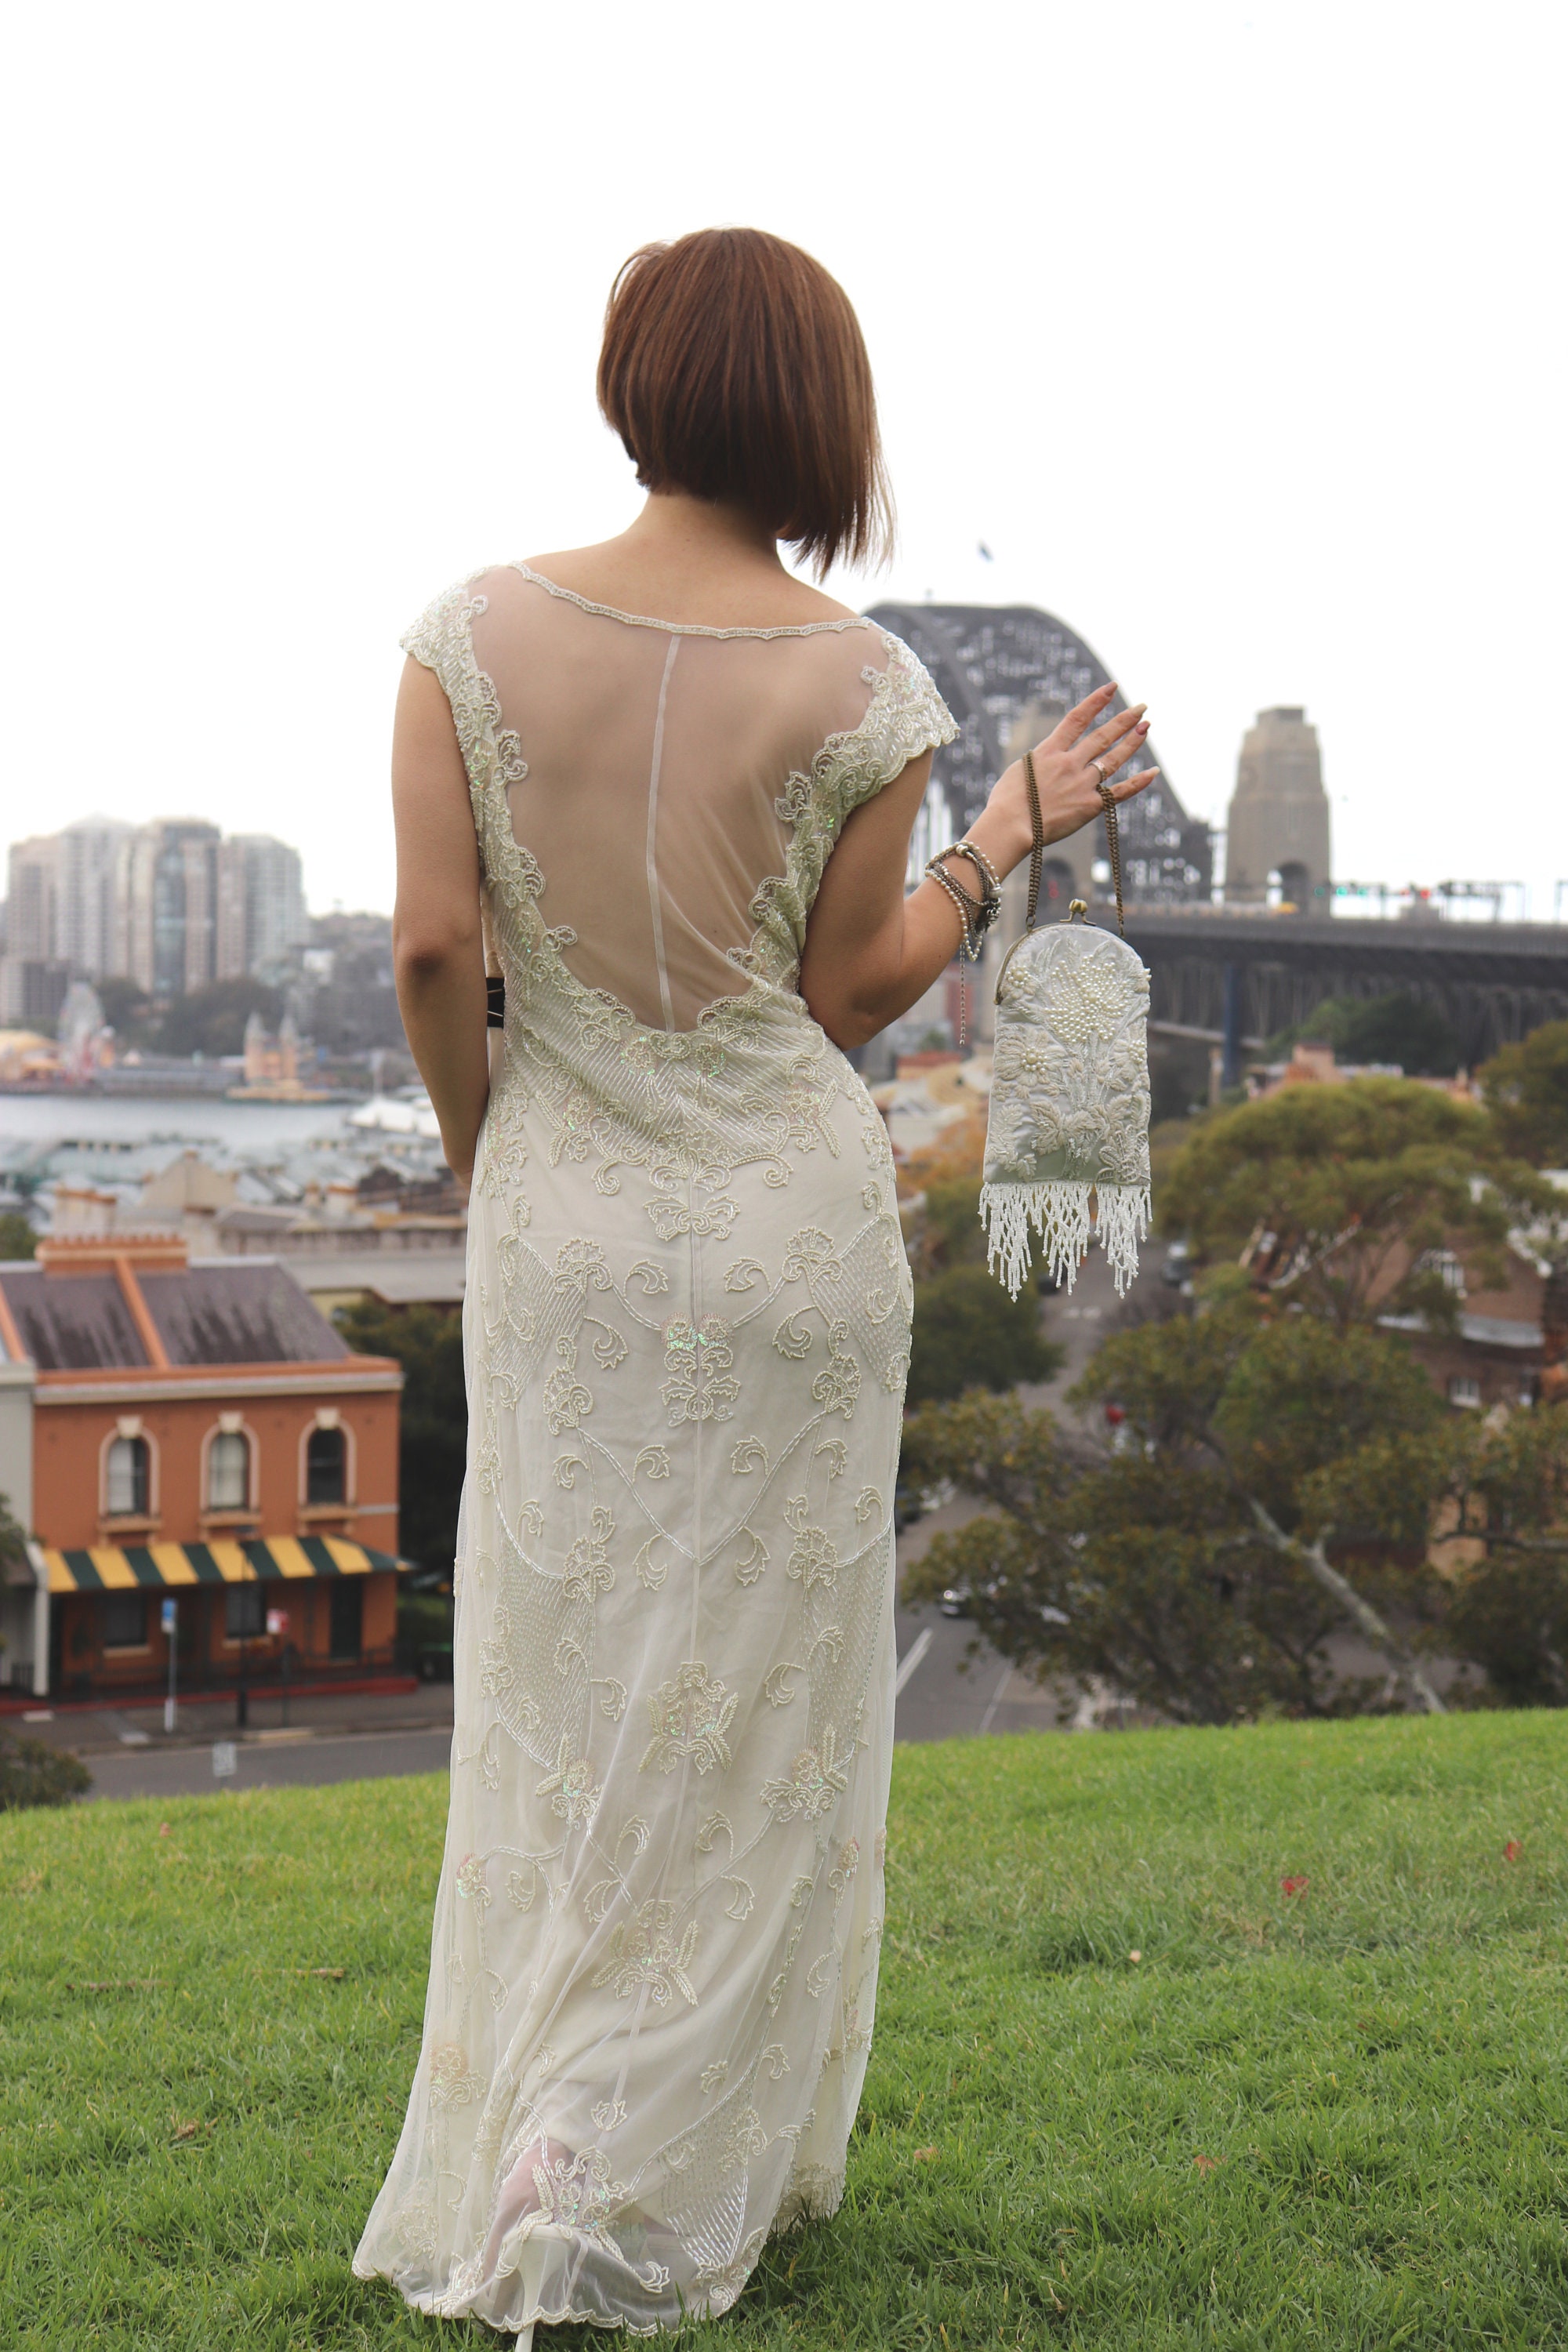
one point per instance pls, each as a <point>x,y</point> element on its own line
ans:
<point>687,1313</point>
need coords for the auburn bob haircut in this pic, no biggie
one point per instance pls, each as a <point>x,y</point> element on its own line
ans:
<point>733,367</point>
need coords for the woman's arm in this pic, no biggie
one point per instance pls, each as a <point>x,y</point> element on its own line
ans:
<point>870,951</point>
<point>438,947</point>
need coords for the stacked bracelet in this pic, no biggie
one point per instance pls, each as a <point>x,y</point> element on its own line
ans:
<point>969,909</point>
<point>990,880</point>
<point>976,915</point>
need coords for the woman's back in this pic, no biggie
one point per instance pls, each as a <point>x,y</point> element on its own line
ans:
<point>655,771</point>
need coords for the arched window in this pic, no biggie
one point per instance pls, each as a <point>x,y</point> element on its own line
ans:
<point>1295,887</point>
<point>228,1471</point>
<point>326,1466</point>
<point>128,1483</point>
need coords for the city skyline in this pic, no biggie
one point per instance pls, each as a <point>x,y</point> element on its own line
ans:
<point>172,906</point>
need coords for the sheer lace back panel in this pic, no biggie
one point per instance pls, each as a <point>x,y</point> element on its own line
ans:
<point>649,767</point>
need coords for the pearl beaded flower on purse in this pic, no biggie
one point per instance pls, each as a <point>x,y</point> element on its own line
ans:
<point>1069,1092</point>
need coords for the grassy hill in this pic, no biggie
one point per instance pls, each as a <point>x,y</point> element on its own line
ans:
<point>1126,2092</point>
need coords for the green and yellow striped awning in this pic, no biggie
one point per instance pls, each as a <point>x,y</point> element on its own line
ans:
<point>113,1567</point>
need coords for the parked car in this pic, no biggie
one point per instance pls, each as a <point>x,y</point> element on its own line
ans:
<point>958,1600</point>
<point>1178,1266</point>
<point>908,1506</point>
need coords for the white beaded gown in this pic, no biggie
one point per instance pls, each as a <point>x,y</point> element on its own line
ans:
<point>687,1331</point>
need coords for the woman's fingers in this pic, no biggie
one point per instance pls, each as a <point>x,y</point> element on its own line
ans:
<point>1066,731</point>
<point>1138,784</point>
<point>1118,730</point>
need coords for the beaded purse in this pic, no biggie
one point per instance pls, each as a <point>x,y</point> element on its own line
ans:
<point>1070,1090</point>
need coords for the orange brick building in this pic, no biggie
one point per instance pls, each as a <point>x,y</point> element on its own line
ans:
<point>200,1434</point>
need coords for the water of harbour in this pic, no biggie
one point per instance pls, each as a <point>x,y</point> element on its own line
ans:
<point>276,1149</point>
<point>243,1130</point>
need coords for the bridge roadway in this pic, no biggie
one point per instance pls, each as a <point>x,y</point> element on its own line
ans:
<point>1241,977</point>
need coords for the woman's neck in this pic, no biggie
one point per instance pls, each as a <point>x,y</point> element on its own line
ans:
<point>680,528</point>
<point>691,560</point>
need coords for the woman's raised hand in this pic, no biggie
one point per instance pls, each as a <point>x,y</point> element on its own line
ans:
<point>1066,776</point>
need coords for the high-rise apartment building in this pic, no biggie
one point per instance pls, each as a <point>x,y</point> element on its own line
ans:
<point>88,863</point>
<point>230,928</point>
<point>195,908</point>
<point>276,923</point>
<point>32,980</point>
<point>32,905</point>
<point>167,906</point>
<point>172,906</point>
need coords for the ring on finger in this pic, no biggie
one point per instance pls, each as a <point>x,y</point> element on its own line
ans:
<point>1099,772</point>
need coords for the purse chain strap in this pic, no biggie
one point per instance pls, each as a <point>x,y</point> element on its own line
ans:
<point>1037,846</point>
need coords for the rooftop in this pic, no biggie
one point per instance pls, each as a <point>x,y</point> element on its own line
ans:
<point>139,1302</point>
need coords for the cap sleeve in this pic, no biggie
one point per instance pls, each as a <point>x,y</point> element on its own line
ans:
<point>442,639</point>
<point>905,717</point>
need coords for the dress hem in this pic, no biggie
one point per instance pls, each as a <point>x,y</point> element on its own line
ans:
<point>441,2306</point>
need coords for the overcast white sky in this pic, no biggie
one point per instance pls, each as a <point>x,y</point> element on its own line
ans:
<point>1234,330</point>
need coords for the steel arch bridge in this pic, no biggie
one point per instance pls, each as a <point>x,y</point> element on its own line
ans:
<point>992,663</point>
<point>1239,978</point>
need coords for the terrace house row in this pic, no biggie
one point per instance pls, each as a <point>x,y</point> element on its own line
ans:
<point>194,1431</point>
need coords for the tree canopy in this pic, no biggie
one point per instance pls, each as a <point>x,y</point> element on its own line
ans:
<point>211,1020</point>
<point>1526,1090</point>
<point>969,1334</point>
<point>1193,1561</point>
<point>1397,1027</point>
<point>127,1008</point>
<point>1273,1467</point>
<point>433,1448</point>
<point>1339,1196</point>
<point>17,1237</point>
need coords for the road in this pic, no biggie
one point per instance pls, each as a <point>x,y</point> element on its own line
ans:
<point>956,1686</point>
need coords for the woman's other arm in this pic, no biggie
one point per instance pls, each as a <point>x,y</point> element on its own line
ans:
<point>438,947</point>
<point>870,951</point>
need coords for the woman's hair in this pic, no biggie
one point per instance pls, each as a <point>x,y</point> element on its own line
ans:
<point>733,367</point>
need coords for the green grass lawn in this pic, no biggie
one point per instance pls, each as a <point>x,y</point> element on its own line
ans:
<point>1125,2092</point>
